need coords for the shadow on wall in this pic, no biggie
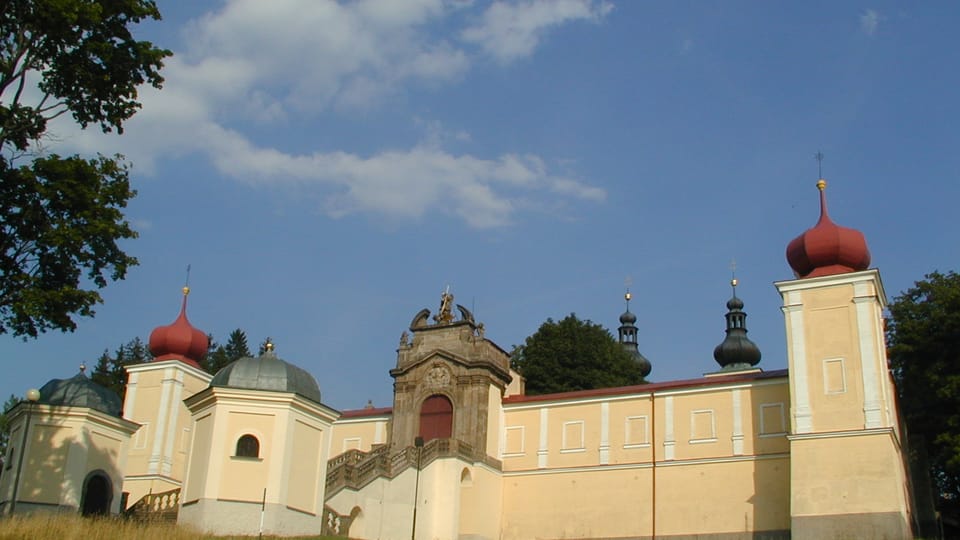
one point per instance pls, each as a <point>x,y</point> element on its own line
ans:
<point>69,467</point>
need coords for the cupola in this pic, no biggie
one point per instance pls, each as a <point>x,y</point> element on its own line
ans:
<point>79,391</point>
<point>267,372</point>
<point>827,248</point>
<point>179,340</point>
<point>736,352</point>
<point>628,337</point>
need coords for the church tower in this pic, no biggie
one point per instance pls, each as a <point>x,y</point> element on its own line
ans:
<point>847,469</point>
<point>155,392</point>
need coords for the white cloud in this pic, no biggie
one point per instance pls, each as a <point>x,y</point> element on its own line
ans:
<point>511,31</point>
<point>869,21</point>
<point>258,63</point>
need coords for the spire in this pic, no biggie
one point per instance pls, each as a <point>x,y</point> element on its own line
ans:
<point>628,336</point>
<point>736,352</point>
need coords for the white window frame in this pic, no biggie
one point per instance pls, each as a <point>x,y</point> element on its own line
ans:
<point>564,447</point>
<point>713,426</point>
<point>627,432</point>
<point>781,411</point>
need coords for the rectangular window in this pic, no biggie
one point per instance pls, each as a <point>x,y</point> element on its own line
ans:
<point>834,376</point>
<point>772,420</point>
<point>636,431</point>
<point>572,437</point>
<point>703,426</point>
<point>513,441</point>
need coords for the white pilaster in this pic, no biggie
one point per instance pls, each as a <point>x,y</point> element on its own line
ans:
<point>668,438</point>
<point>797,355</point>
<point>604,433</point>
<point>737,424</point>
<point>869,361</point>
<point>543,449</point>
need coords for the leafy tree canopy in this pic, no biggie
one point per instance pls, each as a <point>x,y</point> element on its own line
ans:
<point>923,335</point>
<point>573,354</point>
<point>61,217</point>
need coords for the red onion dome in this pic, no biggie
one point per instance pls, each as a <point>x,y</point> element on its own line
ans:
<point>180,340</point>
<point>827,248</point>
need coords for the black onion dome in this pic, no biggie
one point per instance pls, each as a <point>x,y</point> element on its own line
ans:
<point>736,351</point>
<point>79,391</point>
<point>645,365</point>
<point>628,318</point>
<point>267,372</point>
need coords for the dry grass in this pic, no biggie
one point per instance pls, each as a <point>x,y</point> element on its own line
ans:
<point>73,527</point>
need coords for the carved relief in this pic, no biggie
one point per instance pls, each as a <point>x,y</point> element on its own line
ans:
<point>437,377</point>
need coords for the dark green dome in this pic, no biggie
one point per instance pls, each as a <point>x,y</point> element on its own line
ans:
<point>267,372</point>
<point>79,391</point>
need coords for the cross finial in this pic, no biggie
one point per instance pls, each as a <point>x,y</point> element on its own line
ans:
<point>819,157</point>
<point>186,283</point>
<point>733,274</point>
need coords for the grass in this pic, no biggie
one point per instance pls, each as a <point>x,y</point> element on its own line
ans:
<point>73,527</point>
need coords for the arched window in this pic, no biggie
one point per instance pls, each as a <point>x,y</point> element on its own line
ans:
<point>436,418</point>
<point>248,446</point>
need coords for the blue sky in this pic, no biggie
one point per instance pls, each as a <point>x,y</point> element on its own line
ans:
<point>327,169</point>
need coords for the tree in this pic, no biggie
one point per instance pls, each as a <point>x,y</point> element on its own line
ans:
<point>573,355</point>
<point>221,355</point>
<point>110,372</point>
<point>5,430</point>
<point>61,217</point>
<point>923,336</point>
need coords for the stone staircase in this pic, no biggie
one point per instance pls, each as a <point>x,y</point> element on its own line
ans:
<point>354,469</point>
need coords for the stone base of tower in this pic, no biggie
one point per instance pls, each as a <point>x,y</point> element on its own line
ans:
<point>848,485</point>
<point>244,518</point>
<point>877,525</point>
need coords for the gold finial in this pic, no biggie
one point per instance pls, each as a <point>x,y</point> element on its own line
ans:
<point>186,290</point>
<point>627,296</point>
<point>734,282</point>
<point>83,367</point>
<point>268,346</point>
<point>821,184</point>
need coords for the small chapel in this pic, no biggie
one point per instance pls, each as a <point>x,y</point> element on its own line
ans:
<point>814,451</point>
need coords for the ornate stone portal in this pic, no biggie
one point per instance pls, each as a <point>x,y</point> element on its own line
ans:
<point>449,358</point>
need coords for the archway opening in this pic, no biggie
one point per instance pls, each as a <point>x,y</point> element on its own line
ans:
<point>436,418</point>
<point>97,494</point>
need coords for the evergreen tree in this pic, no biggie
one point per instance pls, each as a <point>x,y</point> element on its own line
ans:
<point>221,355</point>
<point>573,355</point>
<point>109,370</point>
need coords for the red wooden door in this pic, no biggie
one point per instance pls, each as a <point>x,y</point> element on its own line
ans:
<point>436,418</point>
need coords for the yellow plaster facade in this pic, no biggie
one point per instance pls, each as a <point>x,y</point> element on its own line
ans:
<point>813,451</point>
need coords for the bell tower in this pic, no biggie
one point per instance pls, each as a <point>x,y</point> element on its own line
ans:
<point>846,458</point>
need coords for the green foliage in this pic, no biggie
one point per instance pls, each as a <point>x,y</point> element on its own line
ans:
<point>110,372</point>
<point>923,335</point>
<point>61,217</point>
<point>221,355</point>
<point>573,355</point>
